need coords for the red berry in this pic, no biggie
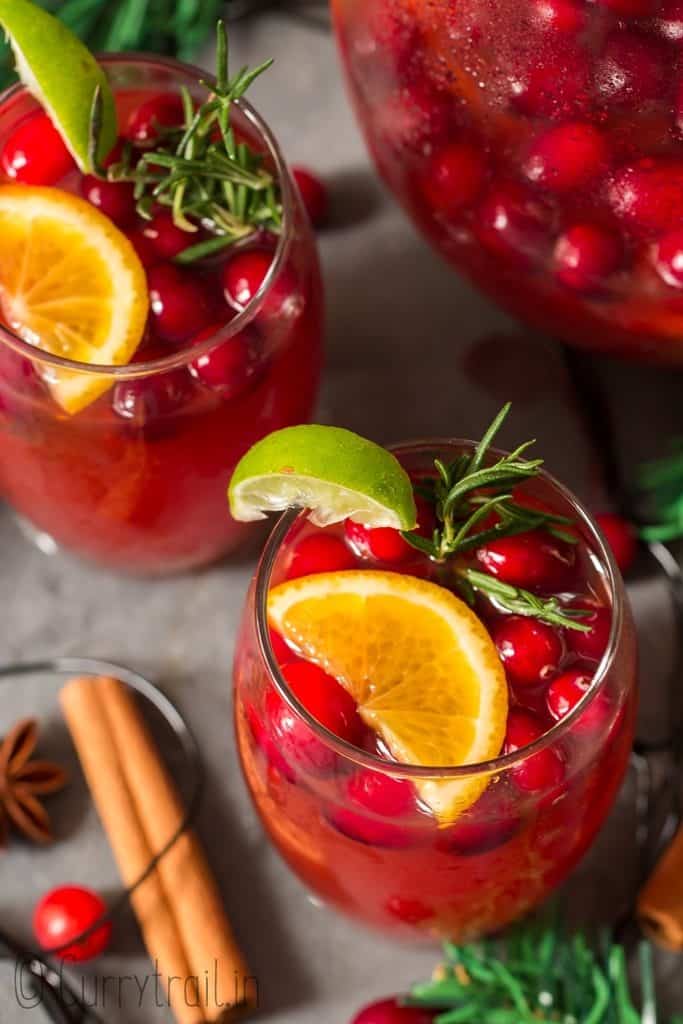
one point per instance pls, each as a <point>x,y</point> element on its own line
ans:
<point>567,156</point>
<point>513,223</point>
<point>648,195</point>
<point>147,254</point>
<point>383,543</point>
<point>454,177</point>
<point>113,198</point>
<point>35,153</point>
<point>543,771</point>
<point>149,403</point>
<point>313,194</point>
<point>632,69</point>
<point>179,303</point>
<point>591,644</point>
<point>229,368</point>
<point>621,537</point>
<point>381,794</point>
<point>389,1011</point>
<point>162,111</point>
<point>492,821</point>
<point>530,650</point>
<point>243,275</point>
<point>267,743</point>
<point>165,238</point>
<point>585,255</point>
<point>63,914</point>
<point>669,258</point>
<point>407,910</point>
<point>670,20</point>
<point>563,16</point>
<point>533,559</point>
<point>565,692</point>
<point>412,116</point>
<point>374,802</point>
<point>319,552</point>
<point>556,86</point>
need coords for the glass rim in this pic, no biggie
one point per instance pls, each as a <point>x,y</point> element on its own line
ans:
<point>175,360</point>
<point>494,765</point>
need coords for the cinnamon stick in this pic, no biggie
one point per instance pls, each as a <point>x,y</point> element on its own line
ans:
<point>660,904</point>
<point>200,949</point>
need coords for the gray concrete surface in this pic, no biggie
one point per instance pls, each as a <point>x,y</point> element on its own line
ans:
<point>410,352</point>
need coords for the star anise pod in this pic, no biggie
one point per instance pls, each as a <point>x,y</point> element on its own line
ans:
<point>23,783</point>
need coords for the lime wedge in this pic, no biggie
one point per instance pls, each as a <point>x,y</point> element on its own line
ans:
<point>63,75</point>
<point>332,472</point>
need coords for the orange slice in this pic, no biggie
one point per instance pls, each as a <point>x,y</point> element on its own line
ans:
<point>419,663</point>
<point>70,283</point>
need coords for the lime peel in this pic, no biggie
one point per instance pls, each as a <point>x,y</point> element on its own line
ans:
<point>330,471</point>
<point>62,74</point>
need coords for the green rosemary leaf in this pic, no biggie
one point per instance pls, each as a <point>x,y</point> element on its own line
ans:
<point>487,439</point>
<point>203,249</point>
<point>523,602</point>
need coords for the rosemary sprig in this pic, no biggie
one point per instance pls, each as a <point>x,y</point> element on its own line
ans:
<point>467,492</point>
<point>200,170</point>
<point>661,484</point>
<point>537,973</point>
<point>522,602</point>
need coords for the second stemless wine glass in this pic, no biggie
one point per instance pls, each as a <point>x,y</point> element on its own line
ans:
<point>537,144</point>
<point>136,480</point>
<point>402,873</point>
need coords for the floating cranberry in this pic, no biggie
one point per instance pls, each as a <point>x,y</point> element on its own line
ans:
<point>66,912</point>
<point>670,20</point>
<point>389,1011</point>
<point>381,794</point>
<point>373,801</point>
<point>567,156</point>
<point>648,195</point>
<point>565,692</point>
<point>407,910</point>
<point>147,254</point>
<point>530,650</point>
<point>669,258</point>
<point>383,543</point>
<point>565,16</point>
<point>539,772</point>
<point>533,559</point>
<point>319,552</point>
<point>327,701</point>
<point>313,194</point>
<point>513,223</point>
<point>35,153</point>
<point>585,255</point>
<point>621,537</point>
<point>453,177</point>
<point>165,237</point>
<point>632,69</point>
<point>490,823</point>
<point>179,303</point>
<point>147,403</point>
<point>229,368</point>
<point>244,274</point>
<point>632,8</point>
<point>593,643</point>
<point>113,198</point>
<point>267,743</point>
<point>159,112</point>
<point>555,87</point>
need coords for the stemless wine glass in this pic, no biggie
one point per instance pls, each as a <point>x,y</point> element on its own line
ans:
<point>537,144</point>
<point>399,870</point>
<point>137,480</point>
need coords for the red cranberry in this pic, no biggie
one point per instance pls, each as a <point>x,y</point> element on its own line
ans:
<point>381,794</point>
<point>383,543</point>
<point>669,258</point>
<point>567,156</point>
<point>230,368</point>
<point>533,559</point>
<point>165,237</point>
<point>670,20</point>
<point>389,1011</point>
<point>632,8</point>
<point>267,743</point>
<point>648,195</point>
<point>621,537</point>
<point>243,275</point>
<point>565,692</point>
<point>543,771</point>
<point>66,912</point>
<point>144,248</point>
<point>585,255</point>
<point>374,797</point>
<point>35,153</point>
<point>414,115</point>
<point>492,821</point>
<point>591,644</point>
<point>407,910</point>
<point>319,552</point>
<point>513,223</point>
<point>454,177</point>
<point>563,16</point>
<point>147,403</point>
<point>313,194</point>
<point>113,198</point>
<point>530,650</point>
<point>179,304</point>
<point>632,69</point>
<point>162,111</point>
<point>556,87</point>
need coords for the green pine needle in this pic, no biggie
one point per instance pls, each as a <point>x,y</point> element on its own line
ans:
<point>538,973</point>
<point>172,27</point>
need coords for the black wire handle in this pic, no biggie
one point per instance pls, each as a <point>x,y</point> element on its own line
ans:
<point>52,987</point>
